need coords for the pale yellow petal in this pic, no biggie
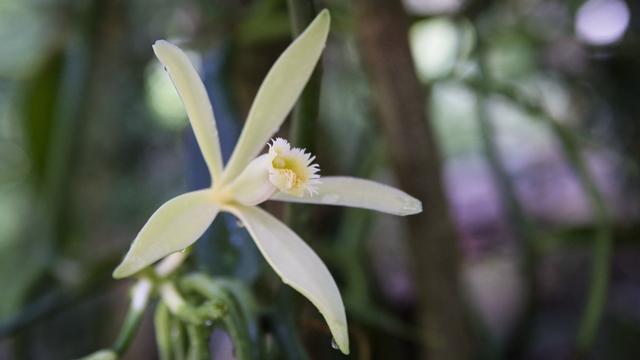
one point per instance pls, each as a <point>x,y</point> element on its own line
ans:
<point>177,224</point>
<point>358,193</point>
<point>196,102</point>
<point>278,93</point>
<point>298,266</point>
<point>252,186</point>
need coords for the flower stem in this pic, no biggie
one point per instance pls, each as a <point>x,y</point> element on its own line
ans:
<point>198,346</point>
<point>162,321</point>
<point>140,294</point>
<point>177,305</point>
<point>127,332</point>
<point>222,305</point>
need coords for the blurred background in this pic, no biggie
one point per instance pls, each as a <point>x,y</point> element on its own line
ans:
<point>515,121</point>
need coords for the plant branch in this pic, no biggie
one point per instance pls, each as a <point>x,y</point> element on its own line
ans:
<point>221,304</point>
<point>140,294</point>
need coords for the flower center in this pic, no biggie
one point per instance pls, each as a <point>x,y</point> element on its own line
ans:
<point>291,169</point>
<point>279,163</point>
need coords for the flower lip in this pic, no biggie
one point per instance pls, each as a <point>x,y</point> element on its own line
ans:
<point>292,170</point>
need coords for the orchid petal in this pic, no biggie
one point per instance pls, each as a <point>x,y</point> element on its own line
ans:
<point>358,193</point>
<point>252,186</point>
<point>298,266</point>
<point>278,93</point>
<point>177,224</point>
<point>196,102</point>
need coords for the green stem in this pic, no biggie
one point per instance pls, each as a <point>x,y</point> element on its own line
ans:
<point>127,332</point>
<point>198,346</point>
<point>602,245</point>
<point>140,294</point>
<point>177,305</point>
<point>162,320</point>
<point>177,337</point>
<point>222,305</point>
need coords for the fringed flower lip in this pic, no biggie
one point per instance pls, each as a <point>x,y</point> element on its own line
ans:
<point>292,170</point>
<point>284,173</point>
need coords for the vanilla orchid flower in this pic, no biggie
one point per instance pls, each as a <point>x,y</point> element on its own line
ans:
<point>284,173</point>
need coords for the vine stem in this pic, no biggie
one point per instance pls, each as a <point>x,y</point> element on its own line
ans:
<point>222,305</point>
<point>177,305</point>
<point>140,294</point>
<point>602,246</point>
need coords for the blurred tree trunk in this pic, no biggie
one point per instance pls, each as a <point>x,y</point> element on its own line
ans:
<point>382,28</point>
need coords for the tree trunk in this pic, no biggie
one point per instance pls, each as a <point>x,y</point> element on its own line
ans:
<point>400,100</point>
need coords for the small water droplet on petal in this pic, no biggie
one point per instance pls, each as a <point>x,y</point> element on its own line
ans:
<point>334,344</point>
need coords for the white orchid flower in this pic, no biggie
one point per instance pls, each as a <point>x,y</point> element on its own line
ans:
<point>283,174</point>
